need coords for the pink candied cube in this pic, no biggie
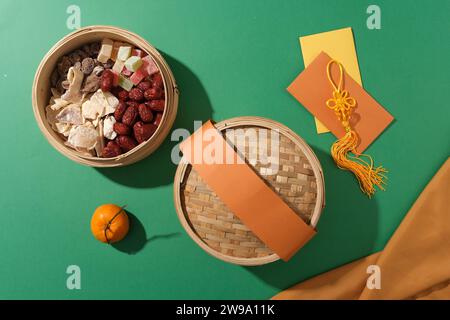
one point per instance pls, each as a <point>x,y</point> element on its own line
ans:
<point>126,72</point>
<point>138,53</point>
<point>139,75</point>
<point>149,65</point>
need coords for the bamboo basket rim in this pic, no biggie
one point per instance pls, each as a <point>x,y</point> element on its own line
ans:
<point>253,121</point>
<point>168,117</point>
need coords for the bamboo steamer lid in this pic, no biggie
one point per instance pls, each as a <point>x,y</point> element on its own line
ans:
<point>207,220</point>
<point>41,94</point>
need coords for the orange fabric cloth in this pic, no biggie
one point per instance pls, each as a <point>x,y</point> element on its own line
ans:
<point>415,264</point>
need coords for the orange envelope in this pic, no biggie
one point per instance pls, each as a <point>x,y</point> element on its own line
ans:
<point>312,89</point>
<point>337,43</point>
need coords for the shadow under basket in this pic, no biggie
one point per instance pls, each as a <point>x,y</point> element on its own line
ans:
<point>296,176</point>
<point>41,94</point>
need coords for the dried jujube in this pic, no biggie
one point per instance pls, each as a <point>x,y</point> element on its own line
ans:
<point>126,143</point>
<point>121,129</point>
<point>111,150</point>
<point>123,95</point>
<point>157,81</point>
<point>130,116</point>
<point>153,93</point>
<point>143,131</point>
<point>120,110</point>
<point>145,112</point>
<point>144,85</point>
<point>107,80</point>
<point>132,104</point>
<point>156,105</point>
<point>136,94</point>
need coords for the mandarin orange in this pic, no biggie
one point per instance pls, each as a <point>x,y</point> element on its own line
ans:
<point>109,223</point>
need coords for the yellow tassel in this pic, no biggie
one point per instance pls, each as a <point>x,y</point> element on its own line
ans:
<point>367,175</point>
<point>342,150</point>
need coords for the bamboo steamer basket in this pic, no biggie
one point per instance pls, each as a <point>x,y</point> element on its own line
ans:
<point>207,220</point>
<point>41,94</point>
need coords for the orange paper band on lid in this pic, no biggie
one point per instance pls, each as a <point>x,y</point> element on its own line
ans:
<point>245,193</point>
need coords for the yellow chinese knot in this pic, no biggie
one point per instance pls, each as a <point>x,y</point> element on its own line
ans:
<point>360,164</point>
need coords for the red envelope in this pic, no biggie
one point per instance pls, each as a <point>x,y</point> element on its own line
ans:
<point>312,89</point>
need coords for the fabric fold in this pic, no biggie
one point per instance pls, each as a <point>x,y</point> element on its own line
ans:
<point>415,263</point>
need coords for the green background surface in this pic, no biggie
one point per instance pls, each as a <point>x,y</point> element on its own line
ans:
<point>230,58</point>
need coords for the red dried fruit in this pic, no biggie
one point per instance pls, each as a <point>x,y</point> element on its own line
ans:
<point>120,110</point>
<point>143,131</point>
<point>156,105</point>
<point>111,150</point>
<point>144,85</point>
<point>157,81</point>
<point>107,80</point>
<point>108,153</point>
<point>121,129</point>
<point>126,143</point>
<point>136,94</point>
<point>133,104</point>
<point>153,93</point>
<point>130,116</point>
<point>123,95</point>
<point>158,119</point>
<point>145,112</point>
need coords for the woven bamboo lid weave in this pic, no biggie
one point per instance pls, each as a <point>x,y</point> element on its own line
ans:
<point>298,181</point>
<point>41,94</point>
